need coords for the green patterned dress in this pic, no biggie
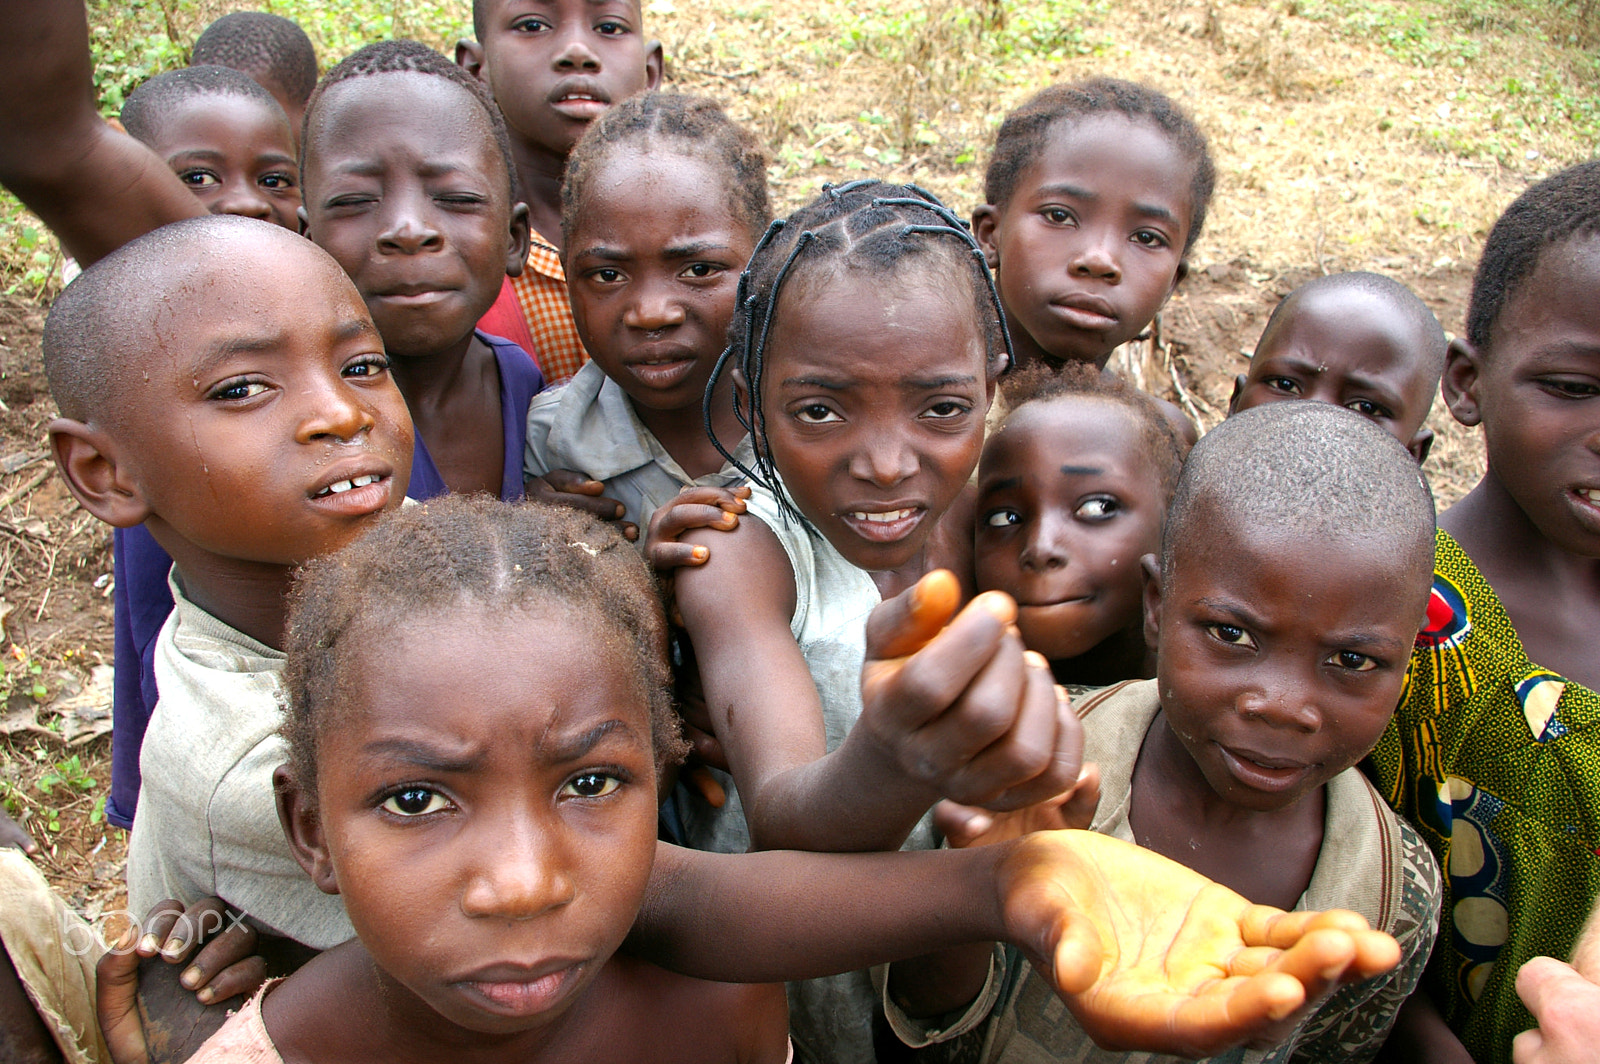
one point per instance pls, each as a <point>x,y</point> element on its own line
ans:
<point>1497,763</point>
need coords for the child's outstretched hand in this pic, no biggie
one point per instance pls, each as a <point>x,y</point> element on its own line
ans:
<point>1151,955</point>
<point>697,507</point>
<point>966,825</point>
<point>563,487</point>
<point>960,705</point>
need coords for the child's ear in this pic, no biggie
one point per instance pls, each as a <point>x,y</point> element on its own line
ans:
<point>304,220</point>
<point>655,61</point>
<point>517,250</point>
<point>1421,444</point>
<point>1150,566</point>
<point>469,57</point>
<point>302,826</point>
<point>88,462</point>
<point>1459,385</point>
<point>1178,277</point>
<point>985,221</point>
<point>1238,390</point>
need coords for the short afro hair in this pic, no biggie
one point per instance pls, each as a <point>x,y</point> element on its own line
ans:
<point>148,106</point>
<point>1562,207</point>
<point>693,126</point>
<point>264,46</point>
<point>1431,342</point>
<point>99,332</point>
<point>1022,136</point>
<point>458,551</point>
<point>412,57</point>
<point>1314,471</point>
<point>1041,383</point>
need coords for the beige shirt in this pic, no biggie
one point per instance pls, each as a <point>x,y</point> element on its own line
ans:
<point>208,820</point>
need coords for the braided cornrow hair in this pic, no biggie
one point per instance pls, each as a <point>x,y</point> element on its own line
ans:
<point>868,224</point>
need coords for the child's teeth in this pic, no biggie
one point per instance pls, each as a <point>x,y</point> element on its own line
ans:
<point>354,482</point>
<point>883,518</point>
<point>1592,494</point>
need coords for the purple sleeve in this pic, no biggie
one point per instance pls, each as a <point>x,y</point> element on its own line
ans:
<point>141,602</point>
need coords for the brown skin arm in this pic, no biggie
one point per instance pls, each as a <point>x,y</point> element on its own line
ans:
<point>1421,1035</point>
<point>96,188</point>
<point>1145,952</point>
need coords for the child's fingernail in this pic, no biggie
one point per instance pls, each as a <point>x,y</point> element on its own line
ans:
<point>125,943</point>
<point>998,604</point>
<point>205,995</point>
<point>1036,659</point>
<point>175,948</point>
<point>728,520</point>
<point>621,509</point>
<point>699,554</point>
<point>191,977</point>
<point>149,944</point>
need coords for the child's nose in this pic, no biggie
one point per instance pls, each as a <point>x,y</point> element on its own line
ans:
<point>575,52</point>
<point>1095,257</point>
<point>1046,547</point>
<point>523,874</point>
<point>653,308</point>
<point>408,233</point>
<point>246,202</point>
<point>884,460</point>
<point>1283,701</point>
<point>336,413</point>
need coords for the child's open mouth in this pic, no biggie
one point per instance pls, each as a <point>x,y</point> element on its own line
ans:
<point>354,496</point>
<point>584,102</point>
<point>885,526</point>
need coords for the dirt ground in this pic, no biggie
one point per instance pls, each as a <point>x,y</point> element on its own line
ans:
<point>1336,149</point>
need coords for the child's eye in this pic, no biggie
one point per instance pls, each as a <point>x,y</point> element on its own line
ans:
<point>234,390</point>
<point>1150,238</point>
<point>1057,215</point>
<point>702,270</point>
<point>1231,634</point>
<point>367,366</point>
<point>530,25</point>
<point>1003,519</point>
<point>947,408</point>
<point>1349,659</point>
<point>459,199</point>
<point>816,414</point>
<point>415,801</point>
<point>607,275</point>
<point>591,785</point>
<point>199,178</point>
<point>1367,408</point>
<point>277,181</point>
<point>611,28</point>
<point>1286,385</point>
<point>1568,388</point>
<point>1098,508</point>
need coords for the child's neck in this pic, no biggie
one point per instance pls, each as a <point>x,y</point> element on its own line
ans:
<point>1122,656</point>
<point>539,173</point>
<point>1551,595</point>
<point>1266,856</point>
<point>249,596</point>
<point>454,399</point>
<point>682,432</point>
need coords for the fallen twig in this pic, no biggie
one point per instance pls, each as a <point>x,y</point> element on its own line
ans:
<point>33,482</point>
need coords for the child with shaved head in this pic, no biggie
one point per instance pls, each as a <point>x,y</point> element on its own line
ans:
<point>1291,584</point>
<point>1357,340</point>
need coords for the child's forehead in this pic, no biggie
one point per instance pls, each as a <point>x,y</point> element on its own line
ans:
<point>1082,144</point>
<point>353,101</point>
<point>1062,428</point>
<point>510,7</point>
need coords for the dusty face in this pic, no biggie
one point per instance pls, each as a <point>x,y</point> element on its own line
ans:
<point>653,271</point>
<point>263,425</point>
<point>1069,500</point>
<point>554,66</point>
<point>1281,668</point>
<point>235,154</point>
<point>1537,393</point>
<point>1091,243</point>
<point>1349,348</point>
<point>875,391</point>
<point>408,192</point>
<point>491,841</point>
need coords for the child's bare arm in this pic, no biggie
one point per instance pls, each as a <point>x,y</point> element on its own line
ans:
<point>1147,954</point>
<point>96,188</point>
<point>948,710</point>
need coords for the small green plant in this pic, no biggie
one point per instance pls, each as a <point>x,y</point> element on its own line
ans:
<point>70,774</point>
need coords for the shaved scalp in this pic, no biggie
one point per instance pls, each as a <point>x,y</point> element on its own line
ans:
<point>101,328</point>
<point>148,106</point>
<point>1311,471</point>
<point>1430,339</point>
<point>267,47</point>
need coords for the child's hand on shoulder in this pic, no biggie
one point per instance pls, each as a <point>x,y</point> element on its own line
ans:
<point>1150,954</point>
<point>696,507</point>
<point>563,487</point>
<point>225,967</point>
<point>960,705</point>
